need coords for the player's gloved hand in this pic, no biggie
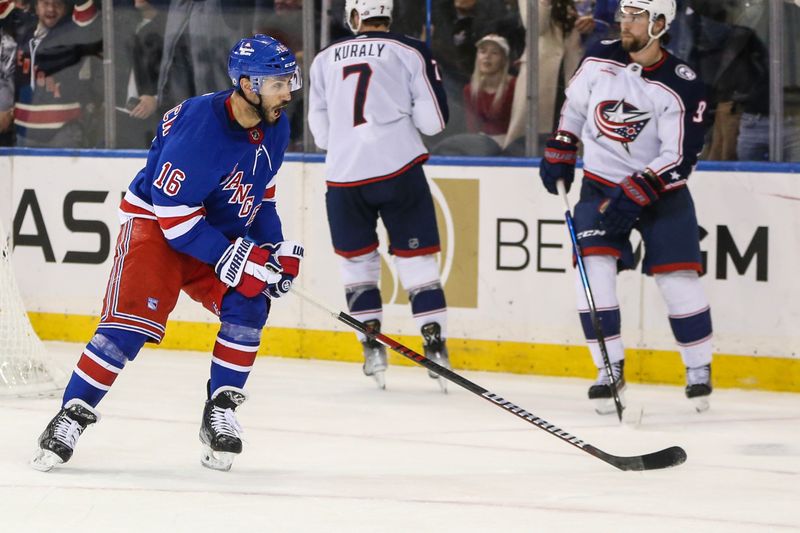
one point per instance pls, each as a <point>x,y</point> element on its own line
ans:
<point>558,163</point>
<point>243,266</point>
<point>284,267</point>
<point>621,210</point>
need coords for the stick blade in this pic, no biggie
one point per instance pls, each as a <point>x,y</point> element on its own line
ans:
<point>666,458</point>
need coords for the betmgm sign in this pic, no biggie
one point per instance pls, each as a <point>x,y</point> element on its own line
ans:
<point>505,262</point>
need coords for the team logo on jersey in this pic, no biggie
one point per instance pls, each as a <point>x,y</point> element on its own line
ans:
<point>685,72</point>
<point>241,193</point>
<point>152,303</point>
<point>620,121</point>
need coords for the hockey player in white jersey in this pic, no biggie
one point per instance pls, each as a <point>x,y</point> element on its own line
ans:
<point>371,95</point>
<point>640,113</point>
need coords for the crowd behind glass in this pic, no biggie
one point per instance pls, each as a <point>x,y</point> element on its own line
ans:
<point>52,76</point>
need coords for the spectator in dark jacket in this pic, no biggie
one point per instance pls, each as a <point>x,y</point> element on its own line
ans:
<point>140,37</point>
<point>57,77</point>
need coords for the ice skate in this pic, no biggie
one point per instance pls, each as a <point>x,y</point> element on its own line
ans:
<point>220,431</point>
<point>436,350</point>
<point>600,391</point>
<point>698,386</point>
<point>375,361</point>
<point>57,441</point>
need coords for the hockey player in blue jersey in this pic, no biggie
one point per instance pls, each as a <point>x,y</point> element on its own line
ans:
<point>199,217</point>
<point>640,113</point>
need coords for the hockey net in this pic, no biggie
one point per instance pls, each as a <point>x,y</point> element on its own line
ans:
<point>25,367</point>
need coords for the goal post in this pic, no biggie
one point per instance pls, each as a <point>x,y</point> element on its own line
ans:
<point>25,367</point>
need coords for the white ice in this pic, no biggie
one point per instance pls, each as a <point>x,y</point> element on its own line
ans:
<point>325,450</point>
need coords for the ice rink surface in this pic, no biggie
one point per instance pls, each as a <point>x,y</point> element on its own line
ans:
<point>324,450</point>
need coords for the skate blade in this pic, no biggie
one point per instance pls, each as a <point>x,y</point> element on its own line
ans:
<point>215,460</point>
<point>45,460</point>
<point>701,403</point>
<point>606,406</point>
<point>442,384</point>
<point>380,379</point>
<point>632,416</point>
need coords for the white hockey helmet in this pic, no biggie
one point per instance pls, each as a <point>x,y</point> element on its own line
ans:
<point>367,9</point>
<point>656,8</point>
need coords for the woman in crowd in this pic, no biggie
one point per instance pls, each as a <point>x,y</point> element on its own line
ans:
<point>487,102</point>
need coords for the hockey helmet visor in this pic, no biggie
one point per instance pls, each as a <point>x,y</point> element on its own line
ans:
<point>266,62</point>
<point>655,9</point>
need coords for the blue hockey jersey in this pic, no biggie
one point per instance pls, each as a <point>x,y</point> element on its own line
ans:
<point>208,180</point>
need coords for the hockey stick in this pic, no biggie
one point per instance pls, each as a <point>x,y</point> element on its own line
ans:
<point>672,456</point>
<point>601,340</point>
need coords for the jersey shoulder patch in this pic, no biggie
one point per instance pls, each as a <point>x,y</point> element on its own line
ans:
<point>685,72</point>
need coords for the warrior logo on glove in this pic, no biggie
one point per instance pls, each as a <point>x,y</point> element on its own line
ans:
<point>268,269</point>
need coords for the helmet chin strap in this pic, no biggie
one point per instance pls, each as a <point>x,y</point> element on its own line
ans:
<point>257,107</point>
<point>650,34</point>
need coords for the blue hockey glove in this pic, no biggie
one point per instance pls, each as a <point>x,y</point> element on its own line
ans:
<point>558,163</point>
<point>284,265</point>
<point>621,210</point>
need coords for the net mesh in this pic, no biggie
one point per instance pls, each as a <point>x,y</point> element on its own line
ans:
<point>25,367</point>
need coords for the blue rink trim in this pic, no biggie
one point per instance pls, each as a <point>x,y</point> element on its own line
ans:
<point>439,160</point>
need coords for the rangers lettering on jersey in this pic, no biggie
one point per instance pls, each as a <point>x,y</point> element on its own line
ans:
<point>347,50</point>
<point>188,186</point>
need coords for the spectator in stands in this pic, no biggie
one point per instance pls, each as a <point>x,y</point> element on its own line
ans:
<point>283,20</point>
<point>487,99</point>
<point>560,52</point>
<point>407,18</point>
<point>8,52</point>
<point>754,128</point>
<point>140,37</point>
<point>15,18</point>
<point>733,61</point>
<point>197,39</point>
<point>601,25</point>
<point>456,27</point>
<point>58,79</point>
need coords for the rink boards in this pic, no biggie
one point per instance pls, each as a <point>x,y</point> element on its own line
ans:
<point>506,264</point>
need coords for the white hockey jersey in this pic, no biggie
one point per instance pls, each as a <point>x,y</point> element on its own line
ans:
<point>371,94</point>
<point>631,118</point>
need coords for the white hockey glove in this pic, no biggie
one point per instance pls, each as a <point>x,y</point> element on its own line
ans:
<point>246,267</point>
<point>287,255</point>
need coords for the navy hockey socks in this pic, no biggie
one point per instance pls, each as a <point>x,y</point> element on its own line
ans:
<point>693,332</point>
<point>428,305</point>
<point>610,325</point>
<point>364,303</point>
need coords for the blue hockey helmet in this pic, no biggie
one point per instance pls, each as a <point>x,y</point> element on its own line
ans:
<point>260,57</point>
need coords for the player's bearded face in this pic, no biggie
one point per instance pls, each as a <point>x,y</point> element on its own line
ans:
<point>275,96</point>
<point>633,26</point>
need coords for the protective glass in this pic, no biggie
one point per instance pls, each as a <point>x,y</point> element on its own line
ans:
<point>629,14</point>
<point>271,85</point>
